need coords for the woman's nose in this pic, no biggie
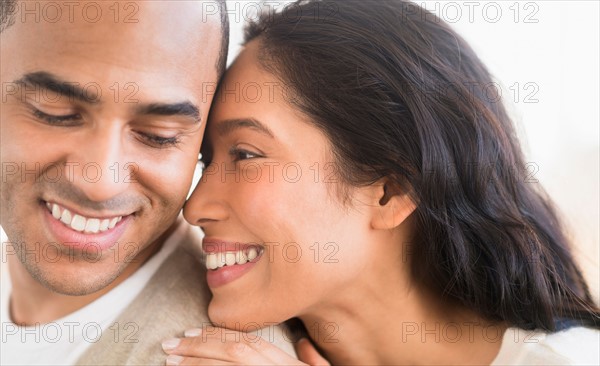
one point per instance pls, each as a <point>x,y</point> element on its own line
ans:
<point>208,203</point>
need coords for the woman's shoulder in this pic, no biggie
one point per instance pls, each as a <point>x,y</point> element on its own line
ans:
<point>573,346</point>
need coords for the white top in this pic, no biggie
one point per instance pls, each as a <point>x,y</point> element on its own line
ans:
<point>574,346</point>
<point>63,341</point>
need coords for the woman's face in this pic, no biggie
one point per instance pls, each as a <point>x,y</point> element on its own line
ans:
<point>271,189</point>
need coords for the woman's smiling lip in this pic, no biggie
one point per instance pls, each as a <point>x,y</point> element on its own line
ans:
<point>214,245</point>
<point>227,261</point>
<point>227,274</point>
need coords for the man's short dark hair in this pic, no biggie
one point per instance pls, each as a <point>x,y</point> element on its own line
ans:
<point>9,7</point>
<point>222,62</point>
<point>7,11</point>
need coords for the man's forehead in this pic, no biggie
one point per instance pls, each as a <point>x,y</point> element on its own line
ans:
<point>145,36</point>
<point>167,53</point>
<point>157,16</point>
<point>169,25</point>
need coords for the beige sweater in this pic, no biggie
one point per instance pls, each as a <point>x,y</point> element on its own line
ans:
<point>175,299</point>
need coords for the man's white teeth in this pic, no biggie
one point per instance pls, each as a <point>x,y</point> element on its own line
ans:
<point>104,224</point>
<point>56,212</point>
<point>114,221</point>
<point>221,259</point>
<point>80,223</point>
<point>92,226</point>
<point>66,218</point>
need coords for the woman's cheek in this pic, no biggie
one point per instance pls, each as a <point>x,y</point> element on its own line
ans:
<point>265,193</point>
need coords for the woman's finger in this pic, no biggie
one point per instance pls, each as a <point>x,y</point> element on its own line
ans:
<point>237,348</point>
<point>308,354</point>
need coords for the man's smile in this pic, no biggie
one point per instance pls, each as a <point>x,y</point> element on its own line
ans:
<point>70,228</point>
<point>79,222</point>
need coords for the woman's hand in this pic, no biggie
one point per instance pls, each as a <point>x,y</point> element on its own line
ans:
<point>308,354</point>
<point>209,347</point>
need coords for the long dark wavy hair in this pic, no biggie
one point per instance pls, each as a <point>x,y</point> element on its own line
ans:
<point>402,96</point>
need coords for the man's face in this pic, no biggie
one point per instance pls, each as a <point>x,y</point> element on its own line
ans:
<point>101,123</point>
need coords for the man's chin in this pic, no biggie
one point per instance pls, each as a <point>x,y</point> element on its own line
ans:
<point>73,281</point>
<point>76,289</point>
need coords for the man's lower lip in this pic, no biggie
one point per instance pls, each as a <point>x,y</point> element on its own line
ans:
<point>227,274</point>
<point>68,237</point>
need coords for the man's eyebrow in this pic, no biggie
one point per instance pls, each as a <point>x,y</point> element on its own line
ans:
<point>229,125</point>
<point>51,82</point>
<point>185,109</point>
<point>73,91</point>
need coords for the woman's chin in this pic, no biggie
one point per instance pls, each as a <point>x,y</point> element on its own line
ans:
<point>240,318</point>
<point>231,317</point>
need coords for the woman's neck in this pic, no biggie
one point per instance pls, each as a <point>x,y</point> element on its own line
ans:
<point>384,321</point>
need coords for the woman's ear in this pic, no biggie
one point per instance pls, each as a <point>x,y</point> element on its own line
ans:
<point>394,206</point>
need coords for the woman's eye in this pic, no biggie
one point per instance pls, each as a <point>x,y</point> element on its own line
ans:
<point>240,154</point>
<point>60,120</point>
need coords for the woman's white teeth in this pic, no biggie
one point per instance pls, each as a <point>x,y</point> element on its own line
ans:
<point>218,260</point>
<point>230,259</point>
<point>252,253</point>
<point>221,260</point>
<point>240,257</point>
<point>80,223</point>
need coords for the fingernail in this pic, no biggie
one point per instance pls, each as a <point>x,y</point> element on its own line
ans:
<point>193,332</point>
<point>173,360</point>
<point>170,344</point>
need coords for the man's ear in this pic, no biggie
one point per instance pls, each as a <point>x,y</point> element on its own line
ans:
<point>394,206</point>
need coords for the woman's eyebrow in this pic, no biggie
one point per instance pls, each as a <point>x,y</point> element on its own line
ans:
<point>227,126</point>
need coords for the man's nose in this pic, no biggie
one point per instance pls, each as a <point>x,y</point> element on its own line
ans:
<point>100,168</point>
<point>208,203</point>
